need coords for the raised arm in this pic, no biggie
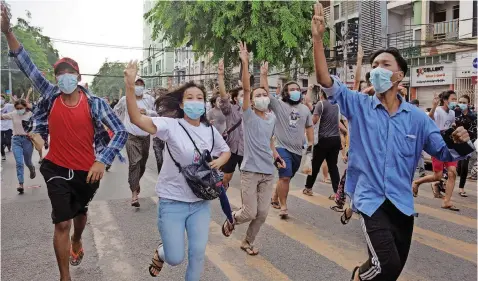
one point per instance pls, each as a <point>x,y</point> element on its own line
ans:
<point>318,30</point>
<point>144,122</point>
<point>246,83</point>
<point>22,58</point>
<point>220,80</point>
<point>435,102</point>
<point>309,98</point>
<point>8,116</point>
<point>264,82</point>
<point>358,71</point>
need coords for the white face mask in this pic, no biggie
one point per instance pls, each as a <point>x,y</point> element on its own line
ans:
<point>261,103</point>
<point>138,90</point>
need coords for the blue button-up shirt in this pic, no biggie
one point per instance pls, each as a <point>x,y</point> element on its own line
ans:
<point>101,113</point>
<point>384,149</point>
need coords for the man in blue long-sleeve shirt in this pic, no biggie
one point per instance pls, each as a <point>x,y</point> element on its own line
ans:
<point>386,138</point>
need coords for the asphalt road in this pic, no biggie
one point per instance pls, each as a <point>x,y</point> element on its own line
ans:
<point>312,245</point>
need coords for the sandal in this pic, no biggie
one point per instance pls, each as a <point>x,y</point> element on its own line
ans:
<point>332,197</point>
<point>463,194</point>
<point>135,203</point>
<point>337,208</point>
<point>275,205</point>
<point>436,191</point>
<point>344,219</point>
<point>451,208</point>
<point>156,264</point>
<point>76,258</point>
<point>307,191</point>
<point>228,227</point>
<point>327,181</point>
<point>353,273</point>
<point>249,249</point>
<point>20,189</point>
<point>283,214</point>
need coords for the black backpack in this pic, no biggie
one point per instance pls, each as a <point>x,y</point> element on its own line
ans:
<point>204,181</point>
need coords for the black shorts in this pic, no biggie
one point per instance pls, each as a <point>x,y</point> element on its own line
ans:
<point>68,197</point>
<point>230,166</point>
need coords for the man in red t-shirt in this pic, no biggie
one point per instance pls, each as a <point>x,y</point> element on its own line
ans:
<point>79,145</point>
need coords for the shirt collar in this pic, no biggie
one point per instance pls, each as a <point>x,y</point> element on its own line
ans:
<point>404,106</point>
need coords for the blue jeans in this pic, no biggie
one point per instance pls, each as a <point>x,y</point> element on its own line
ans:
<point>174,217</point>
<point>22,150</point>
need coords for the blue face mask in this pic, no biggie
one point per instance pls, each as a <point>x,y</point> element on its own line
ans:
<point>67,83</point>
<point>241,101</point>
<point>194,109</point>
<point>295,95</point>
<point>463,106</point>
<point>381,79</point>
<point>452,105</point>
<point>21,111</point>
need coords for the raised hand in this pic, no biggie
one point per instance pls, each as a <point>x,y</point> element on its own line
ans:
<point>220,67</point>
<point>435,101</point>
<point>318,22</point>
<point>265,68</point>
<point>243,53</point>
<point>360,52</point>
<point>5,22</point>
<point>130,73</point>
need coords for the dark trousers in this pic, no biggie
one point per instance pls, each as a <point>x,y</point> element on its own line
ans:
<point>326,149</point>
<point>158,147</point>
<point>6,140</point>
<point>462,170</point>
<point>389,234</point>
<point>137,148</point>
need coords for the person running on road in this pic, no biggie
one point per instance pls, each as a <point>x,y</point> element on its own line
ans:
<point>80,147</point>
<point>215,115</point>
<point>234,135</point>
<point>21,145</point>
<point>379,175</point>
<point>179,209</point>
<point>137,146</point>
<point>293,121</point>
<point>6,126</point>
<point>464,117</point>
<point>444,117</point>
<point>257,169</point>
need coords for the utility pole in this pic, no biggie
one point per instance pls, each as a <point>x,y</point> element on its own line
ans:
<point>345,38</point>
<point>9,77</point>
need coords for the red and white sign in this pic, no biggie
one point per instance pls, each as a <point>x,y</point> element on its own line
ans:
<point>432,75</point>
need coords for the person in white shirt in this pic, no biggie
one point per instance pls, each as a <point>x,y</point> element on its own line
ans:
<point>137,146</point>
<point>444,116</point>
<point>6,127</point>
<point>187,135</point>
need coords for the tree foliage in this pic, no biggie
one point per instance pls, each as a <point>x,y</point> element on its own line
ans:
<point>275,31</point>
<point>41,51</point>
<point>104,86</point>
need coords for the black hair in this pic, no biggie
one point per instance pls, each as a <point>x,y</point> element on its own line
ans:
<point>360,84</point>
<point>285,93</point>
<point>367,77</point>
<point>234,93</point>
<point>445,95</point>
<point>168,105</point>
<point>415,102</point>
<point>323,94</point>
<point>20,102</point>
<point>62,66</point>
<point>212,100</point>
<point>402,63</point>
<point>256,88</point>
<point>467,97</point>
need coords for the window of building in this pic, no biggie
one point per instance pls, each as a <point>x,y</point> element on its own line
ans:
<point>428,60</point>
<point>440,16</point>
<point>201,68</point>
<point>336,12</point>
<point>150,69</point>
<point>451,57</point>
<point>421,61</point>
<point>145,71</point>
<point>305,83</point>
<point>157,67</point>
<point>456,11</point>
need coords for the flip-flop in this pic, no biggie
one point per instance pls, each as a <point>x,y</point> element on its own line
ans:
<point>307,191</point>
<point>135,203</point>
<point>275,205</point>
<point>344,219</point>
<point>283,214</point>
<point>463,194</point>
<point>436,191</point>
<point>156,264</point>
<point>76,258</point>
<point>337,208</point>
<point>227,228</point>
<point>250,250</point>
<point>327,181</point>
<point>451,208</point>
<point>332,197</point>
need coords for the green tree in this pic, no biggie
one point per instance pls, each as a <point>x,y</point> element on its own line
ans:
<point>276,31</point>
<point>41,51</point>
<point>105,86</point>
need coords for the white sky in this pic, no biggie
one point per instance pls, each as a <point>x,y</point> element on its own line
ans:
<point>100,21</point>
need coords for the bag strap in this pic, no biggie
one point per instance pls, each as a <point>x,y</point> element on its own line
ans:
<point>191,138</point>
<point>234,127</point>
<point>212,131</point>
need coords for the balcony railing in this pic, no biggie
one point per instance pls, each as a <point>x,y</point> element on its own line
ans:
<point>401,39</point>
<point>442,30</point>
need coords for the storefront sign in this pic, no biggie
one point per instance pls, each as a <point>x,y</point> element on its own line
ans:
<point>466,64</point>
<point>432,75</point>
<point>351,38</point>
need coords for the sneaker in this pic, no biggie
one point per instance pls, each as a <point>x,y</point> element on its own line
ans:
<point>4,158</point>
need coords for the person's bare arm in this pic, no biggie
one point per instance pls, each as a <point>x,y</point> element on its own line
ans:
<point>435,102</point>
<point>358,71</point>
<point>220,80</point>
<point>342,128</point>
<point>144,122</point>
<point>276,155</point>
<point>246,83</point>
<point>320,62</point>
<point>310,135</point>
<point>264,81</point>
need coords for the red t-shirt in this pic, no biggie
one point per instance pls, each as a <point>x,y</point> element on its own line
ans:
<point>71,135</point>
